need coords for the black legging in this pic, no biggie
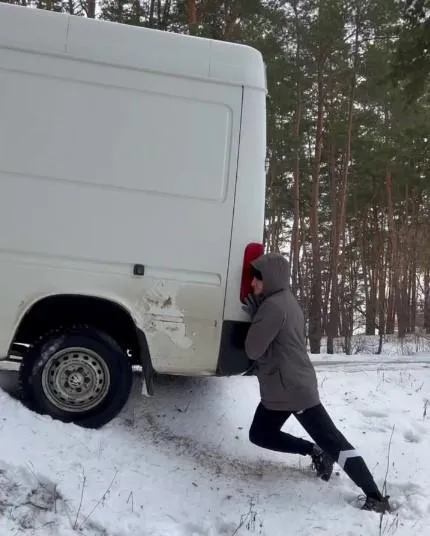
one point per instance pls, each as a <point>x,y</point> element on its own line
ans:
<point>266,432</point>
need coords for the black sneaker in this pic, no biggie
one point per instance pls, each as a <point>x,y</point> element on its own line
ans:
<point>322,463</point>
<point>379,505</point>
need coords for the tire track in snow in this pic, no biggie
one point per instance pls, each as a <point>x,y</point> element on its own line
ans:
<point>214,460</point>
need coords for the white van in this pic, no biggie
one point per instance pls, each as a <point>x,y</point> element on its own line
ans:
<point>132,182</point>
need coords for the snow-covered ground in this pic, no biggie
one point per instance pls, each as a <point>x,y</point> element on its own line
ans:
<point>180,464</point>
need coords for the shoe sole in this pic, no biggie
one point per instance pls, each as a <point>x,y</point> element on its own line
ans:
<point>326,476</point>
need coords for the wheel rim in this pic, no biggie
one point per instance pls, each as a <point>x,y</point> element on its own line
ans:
<point>75,379</point>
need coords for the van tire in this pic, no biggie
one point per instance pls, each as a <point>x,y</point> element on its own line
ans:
<point>77,374</point>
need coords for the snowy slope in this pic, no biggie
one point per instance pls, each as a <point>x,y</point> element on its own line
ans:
<point>180,464</point>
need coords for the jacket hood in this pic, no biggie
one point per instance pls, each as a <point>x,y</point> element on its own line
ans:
<point>275,270</point>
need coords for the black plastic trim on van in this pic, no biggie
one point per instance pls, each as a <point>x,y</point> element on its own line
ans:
<point>232,356</point>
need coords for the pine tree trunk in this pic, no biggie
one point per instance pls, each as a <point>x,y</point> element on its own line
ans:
<point>163,14</point>
<point>348,307</point>
<point>376,248</point>
<point>191,15</point>
<point>295,238</point>
<point>233,13</point>
<point>393,262</point>
<point>413,298</point>
<point>90,9</point>
<point>304,286</point>
<point>427,301</point>
<point>339,218</point>
<point>315,307</point>
<point>151,14</point>
<point>367,269</point>
<point>329,302</point>
<point>402,302</point>
<point>402,306</point>
<point>413,268</point>
<point>382,282</point>
<point>271,227</point>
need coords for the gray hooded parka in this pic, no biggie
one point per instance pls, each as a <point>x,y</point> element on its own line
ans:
<point>276,341</point>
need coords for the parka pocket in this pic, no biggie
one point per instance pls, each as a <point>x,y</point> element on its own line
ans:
<point>281,378</point>
<point>272,385</point>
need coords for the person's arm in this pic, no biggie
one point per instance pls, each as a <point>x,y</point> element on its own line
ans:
<point>263,330</point>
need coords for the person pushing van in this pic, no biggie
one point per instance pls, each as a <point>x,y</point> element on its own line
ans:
<point>288,383</point>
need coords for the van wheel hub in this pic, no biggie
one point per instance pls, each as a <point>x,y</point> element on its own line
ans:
<point>75,379</point>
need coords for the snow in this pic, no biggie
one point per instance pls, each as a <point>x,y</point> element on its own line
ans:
<point>180,464</point>
<point>412,344</point>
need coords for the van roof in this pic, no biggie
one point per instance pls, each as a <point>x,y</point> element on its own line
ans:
<point>132,47</point>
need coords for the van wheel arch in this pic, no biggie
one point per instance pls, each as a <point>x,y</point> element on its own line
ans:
<point>50,313</point>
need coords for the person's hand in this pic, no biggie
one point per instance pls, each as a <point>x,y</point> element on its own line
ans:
<point>251,304</point>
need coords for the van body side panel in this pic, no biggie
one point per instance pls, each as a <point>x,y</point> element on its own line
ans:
<point>102,168</point>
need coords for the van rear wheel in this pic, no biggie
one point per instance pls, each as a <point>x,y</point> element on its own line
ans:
<point>77,374</point>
